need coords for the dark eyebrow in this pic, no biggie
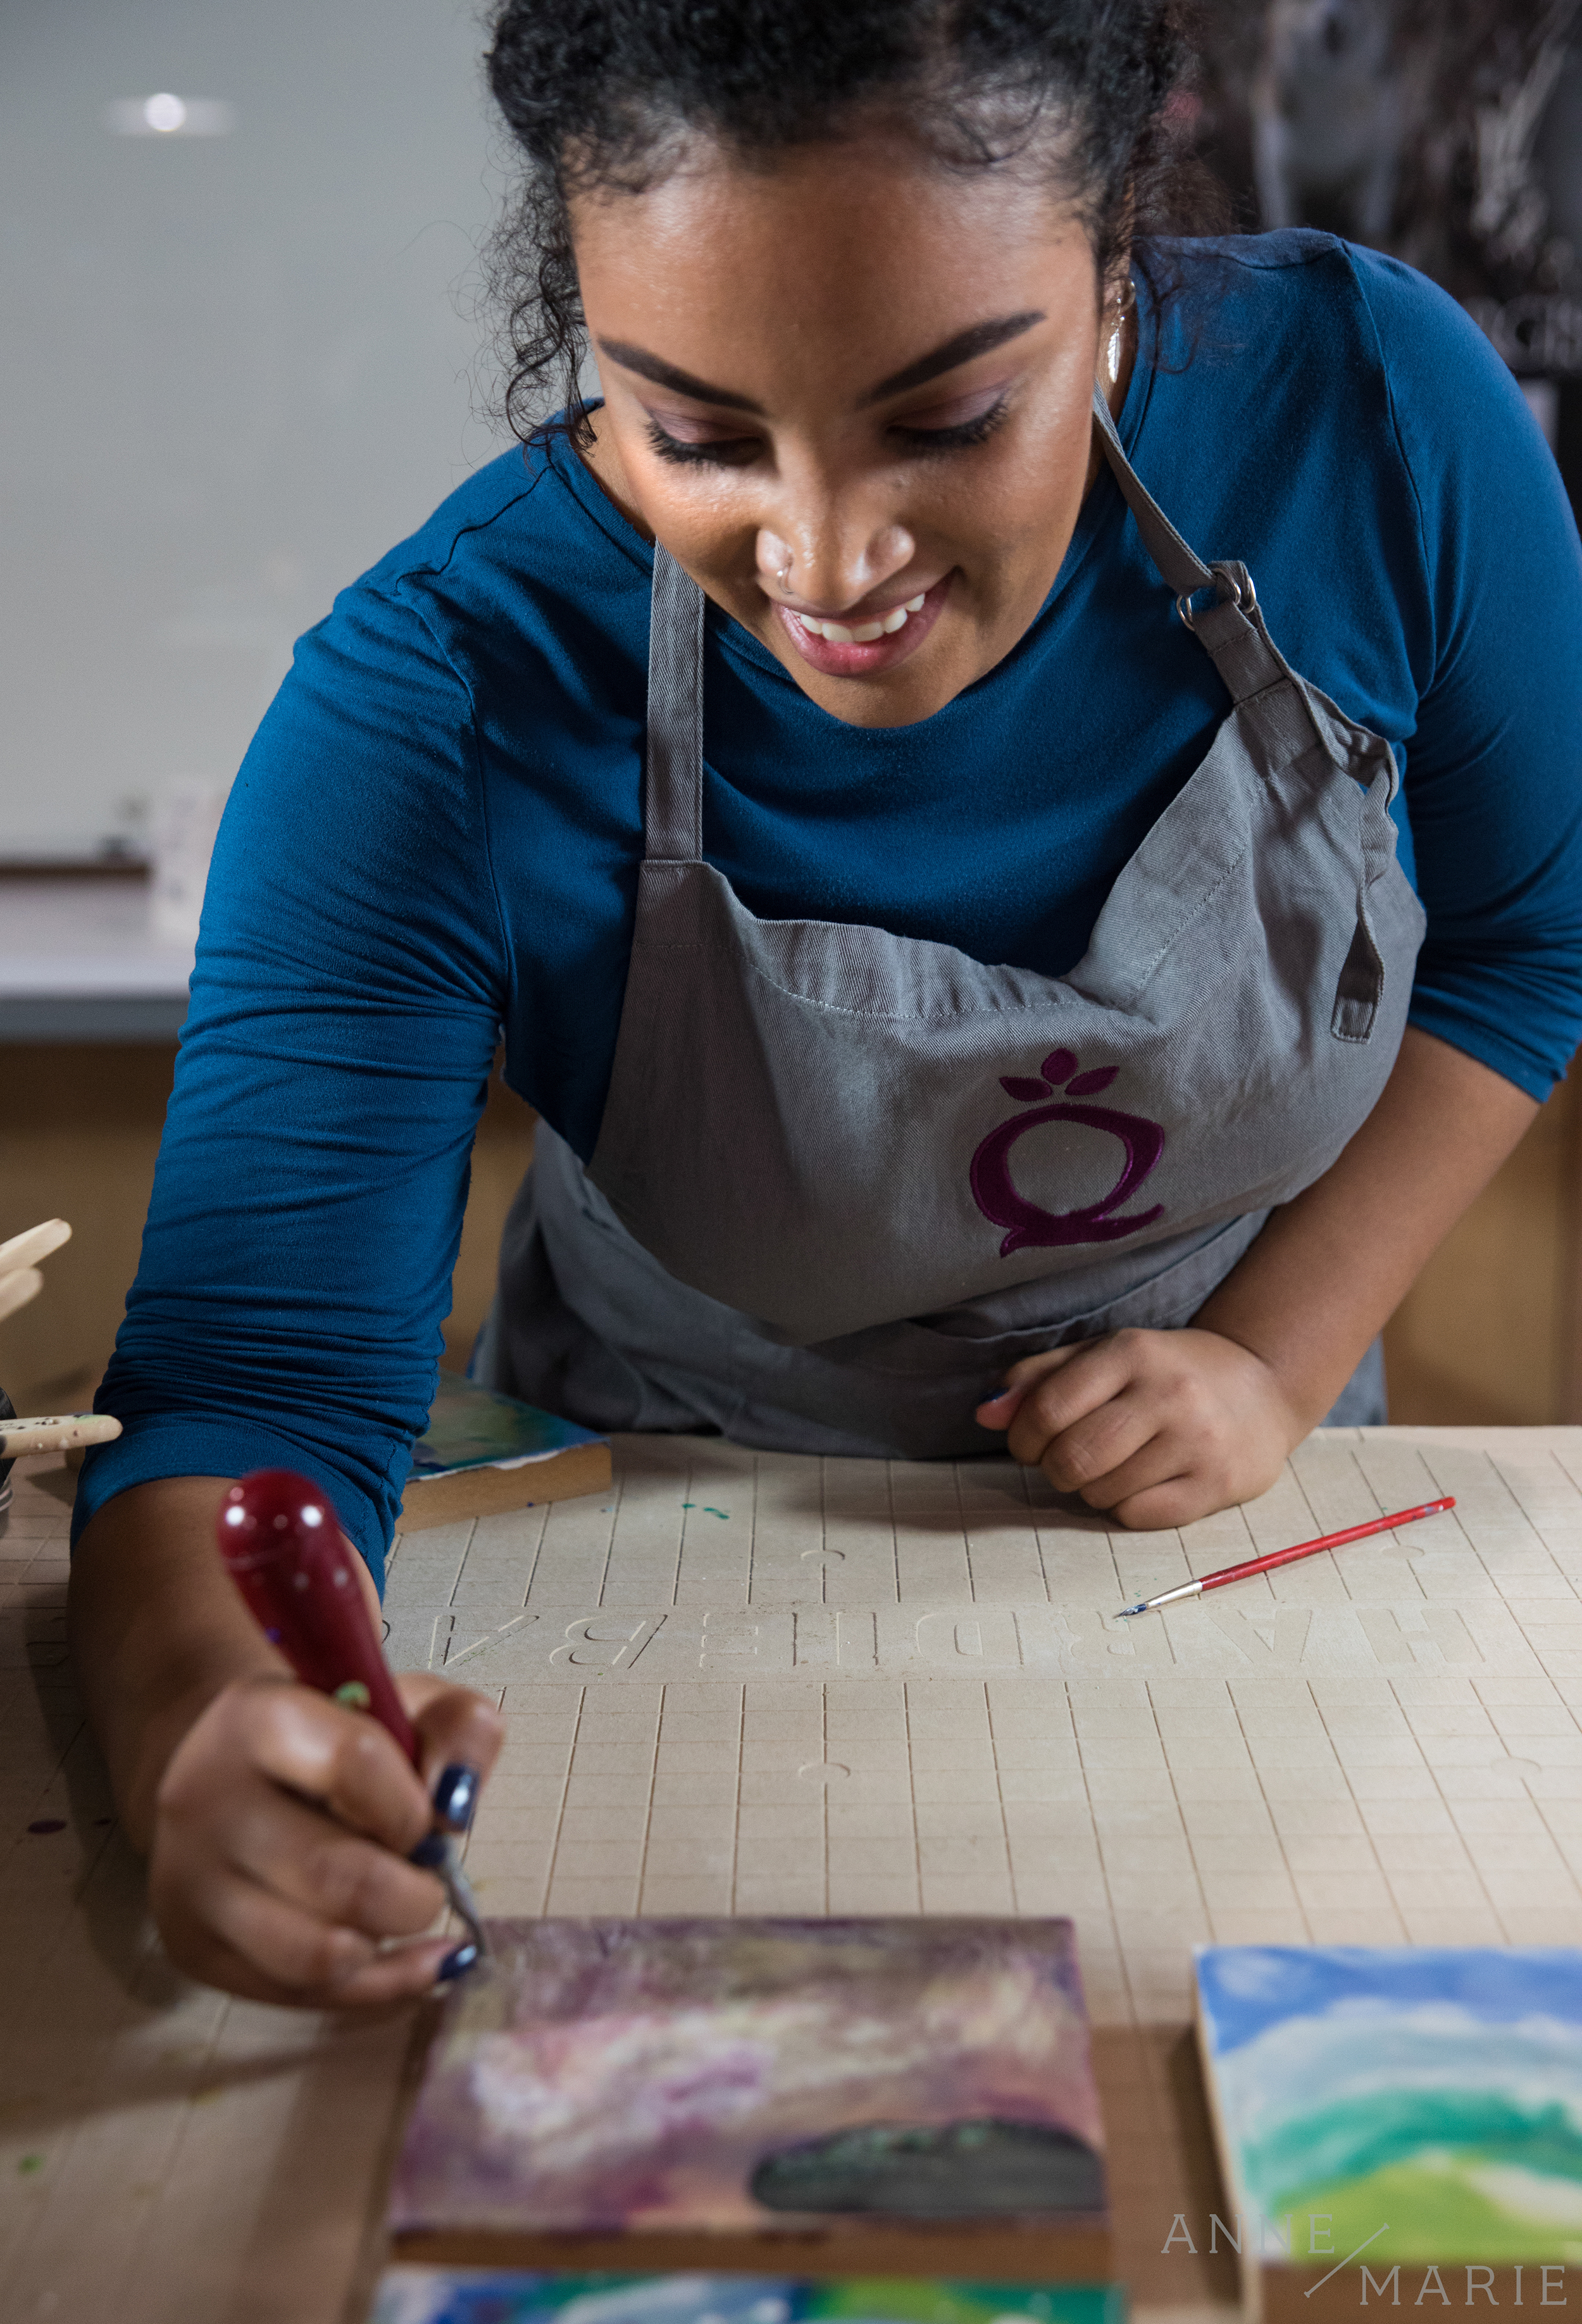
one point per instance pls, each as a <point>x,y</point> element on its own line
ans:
<point>977,341</point>
<point>666,374</point>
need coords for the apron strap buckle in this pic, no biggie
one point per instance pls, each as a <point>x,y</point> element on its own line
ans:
<point>1234,586</point>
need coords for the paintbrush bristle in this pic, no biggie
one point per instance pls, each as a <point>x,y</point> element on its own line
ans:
<point>1128,1611</point>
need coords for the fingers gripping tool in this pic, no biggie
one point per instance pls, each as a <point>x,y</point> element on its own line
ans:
<point>283,1548</point>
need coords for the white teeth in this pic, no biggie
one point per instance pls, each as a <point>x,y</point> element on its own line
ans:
<point>863,633</point>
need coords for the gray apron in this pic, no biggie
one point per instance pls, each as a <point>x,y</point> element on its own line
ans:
<point>844,1178</point>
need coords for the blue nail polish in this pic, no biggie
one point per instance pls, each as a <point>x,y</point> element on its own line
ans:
<point>430,1852</point>
<point>455,1964</point>
<point>456,1795</point>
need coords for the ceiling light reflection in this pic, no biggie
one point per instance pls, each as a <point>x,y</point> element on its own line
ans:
<point>166,114</point>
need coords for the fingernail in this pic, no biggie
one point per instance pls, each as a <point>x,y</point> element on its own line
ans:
<point>456,1795</point>
<point>455,1964</point>
<point>431,1851</point>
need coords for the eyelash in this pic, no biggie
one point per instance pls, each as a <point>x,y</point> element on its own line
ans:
<point>925,443</point>
<point>696,456</point>
<point>927,440</point>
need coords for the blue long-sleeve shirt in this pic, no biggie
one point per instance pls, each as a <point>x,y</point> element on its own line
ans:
<point>438,830</point>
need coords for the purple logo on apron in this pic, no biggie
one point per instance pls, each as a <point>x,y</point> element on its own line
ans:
<point>997,1198</point>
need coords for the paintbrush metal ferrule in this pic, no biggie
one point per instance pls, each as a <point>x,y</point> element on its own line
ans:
<point>458,1891</point>
<point>437,1853</point>
<point>1165,1598</point>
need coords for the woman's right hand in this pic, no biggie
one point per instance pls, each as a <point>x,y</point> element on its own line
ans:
<point>276,1822</point>
<point>282,1825</point>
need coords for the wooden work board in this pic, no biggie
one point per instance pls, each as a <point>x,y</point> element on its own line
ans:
<point>762,1683</point>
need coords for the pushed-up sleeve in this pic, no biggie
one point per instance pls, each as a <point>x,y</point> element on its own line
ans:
<point>1493,774</point>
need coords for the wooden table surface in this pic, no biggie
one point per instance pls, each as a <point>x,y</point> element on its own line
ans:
<point>757,1683</point>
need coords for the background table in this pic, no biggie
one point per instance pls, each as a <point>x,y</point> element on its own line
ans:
<point>755,1684</point>
<point>81,961</point>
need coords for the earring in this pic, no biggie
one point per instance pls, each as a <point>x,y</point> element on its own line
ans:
<point>1112,353</point>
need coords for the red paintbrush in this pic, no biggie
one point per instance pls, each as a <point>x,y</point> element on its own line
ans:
<point>1289,1556</point>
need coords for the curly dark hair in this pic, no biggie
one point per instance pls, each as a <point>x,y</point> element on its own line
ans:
<point>604,94</point>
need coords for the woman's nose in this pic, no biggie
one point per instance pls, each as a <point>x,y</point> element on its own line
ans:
<point>832,564</point>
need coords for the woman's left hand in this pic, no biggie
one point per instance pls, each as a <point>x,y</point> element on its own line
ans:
<point>1156,1428</point>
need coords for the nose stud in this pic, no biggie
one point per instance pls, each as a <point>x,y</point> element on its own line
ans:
<point>777,557</point>
<point>888,554</point>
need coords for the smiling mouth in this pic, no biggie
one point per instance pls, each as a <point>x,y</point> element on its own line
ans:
<point>870,649</point>
<point>863,633</point>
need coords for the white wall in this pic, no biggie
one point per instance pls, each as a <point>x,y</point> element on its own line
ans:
<point>233,370</point>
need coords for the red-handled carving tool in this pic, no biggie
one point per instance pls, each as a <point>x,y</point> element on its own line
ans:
<point>284,1550</point>
<point>1289,1556</point>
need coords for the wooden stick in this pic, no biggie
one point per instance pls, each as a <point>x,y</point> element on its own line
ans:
<point>59,1432</point>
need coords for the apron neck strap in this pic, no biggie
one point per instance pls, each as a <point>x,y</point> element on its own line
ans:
<point>1231,632</point>
<point>1180,566</point>
<point>673,804</point>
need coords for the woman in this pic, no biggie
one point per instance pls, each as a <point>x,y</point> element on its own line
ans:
<point>967,956</point>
